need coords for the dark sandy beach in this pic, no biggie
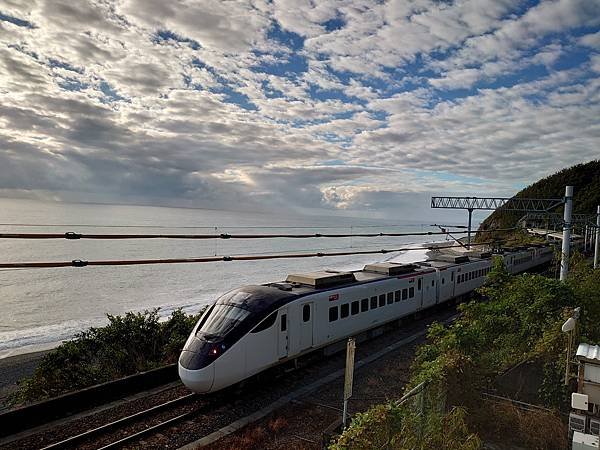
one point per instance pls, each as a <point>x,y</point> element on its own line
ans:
<point>13,368</point>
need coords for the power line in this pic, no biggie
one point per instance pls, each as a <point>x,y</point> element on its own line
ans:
<point>196,227</point>
<point>75,236</point>
<point>212,259</point>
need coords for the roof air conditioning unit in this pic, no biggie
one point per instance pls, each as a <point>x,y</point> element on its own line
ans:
<point>577,422</point>
<point>595,427</point>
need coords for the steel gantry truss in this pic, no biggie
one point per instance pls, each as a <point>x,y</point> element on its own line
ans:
<point>494,203</point>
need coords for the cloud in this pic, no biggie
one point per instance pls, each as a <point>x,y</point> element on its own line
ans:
<point>335,105</point>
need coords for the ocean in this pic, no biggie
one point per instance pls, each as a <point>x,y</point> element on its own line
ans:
<point>42,307</point>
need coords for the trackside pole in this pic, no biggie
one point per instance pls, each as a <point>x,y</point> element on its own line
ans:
<point>566,241</point>
<point>469,229</point>
<point>597,246</point>
<point>350,349</point>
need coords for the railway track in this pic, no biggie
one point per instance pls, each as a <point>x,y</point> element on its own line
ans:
<point>43,412</point>
<point>97,432</point>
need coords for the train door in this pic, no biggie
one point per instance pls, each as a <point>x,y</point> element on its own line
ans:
<point>282,335</point>
<point>430,290</point>
<point>306,326</point>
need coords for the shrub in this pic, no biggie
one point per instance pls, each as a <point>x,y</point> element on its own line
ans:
<point>132,343</point>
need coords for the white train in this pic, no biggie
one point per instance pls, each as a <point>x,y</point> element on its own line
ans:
<point>253,328</point>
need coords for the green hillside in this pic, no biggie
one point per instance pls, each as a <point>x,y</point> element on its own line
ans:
<point>584,177</point>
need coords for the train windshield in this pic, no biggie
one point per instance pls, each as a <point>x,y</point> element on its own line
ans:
<point>223,319</point>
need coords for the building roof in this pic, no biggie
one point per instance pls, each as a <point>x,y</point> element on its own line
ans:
<point>589,352</point>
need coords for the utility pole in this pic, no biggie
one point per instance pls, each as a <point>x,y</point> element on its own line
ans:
<point>469,229</point>
<point>597,247</point>
<point>566,241</point>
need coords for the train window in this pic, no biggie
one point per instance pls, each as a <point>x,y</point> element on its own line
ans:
<point>306,313</point>
<point>283,322</point>
<point>266,323</point>
<point>204,317</point>
<point>354,308</point>
<point>344,310</point>
<point>404,294</point>
<point>411,292</point>
<point>222,319</point>
<point>451,276</point>
<point>432,283</point>
<point>390,298</point>
<point>382,300</point>
<point>443,280</point>
<point>364,305</point>
<point>373,302</point>
<point>419,284</point>
<point>397,296</point>
<point>333,314</point>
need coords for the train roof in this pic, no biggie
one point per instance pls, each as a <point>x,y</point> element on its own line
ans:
<point>301,283</point>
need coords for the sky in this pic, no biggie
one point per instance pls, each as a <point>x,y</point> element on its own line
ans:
<point>335,107</point>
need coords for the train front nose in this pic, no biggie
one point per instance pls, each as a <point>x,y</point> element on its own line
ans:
<point>199,380</point>
<point>196,367</point>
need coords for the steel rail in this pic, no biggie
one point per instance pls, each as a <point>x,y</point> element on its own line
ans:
<point>211,259</point>
<point>152,429</point>
<point>70,235</point>
<point>72,440</point>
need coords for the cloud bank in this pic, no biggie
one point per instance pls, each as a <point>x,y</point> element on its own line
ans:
<point>330,105</point>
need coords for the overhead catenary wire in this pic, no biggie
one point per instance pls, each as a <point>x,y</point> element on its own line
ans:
<point>212,259</point>
<point>197,227</point>
<point>70,235</point>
